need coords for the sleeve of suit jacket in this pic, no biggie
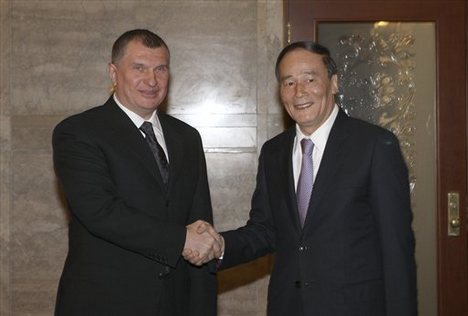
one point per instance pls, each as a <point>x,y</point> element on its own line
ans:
<point>203,285</point>
<point>390,200</point>
<point>257,237</point>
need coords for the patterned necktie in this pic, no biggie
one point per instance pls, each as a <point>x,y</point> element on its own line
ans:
<point>157,150</point>
<point>304,185</point>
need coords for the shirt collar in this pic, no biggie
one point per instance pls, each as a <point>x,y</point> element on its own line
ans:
<point>320,136</point>
<point>137,119</point>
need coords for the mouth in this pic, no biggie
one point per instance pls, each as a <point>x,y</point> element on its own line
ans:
<point>305,105</point>
<point>149,94</point>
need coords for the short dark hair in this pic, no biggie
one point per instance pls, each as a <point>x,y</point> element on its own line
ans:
<point>311,47</point>
<point>147,38</point>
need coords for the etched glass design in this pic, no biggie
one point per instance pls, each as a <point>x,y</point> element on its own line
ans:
<point>376,75</point>
<point>387,76</point>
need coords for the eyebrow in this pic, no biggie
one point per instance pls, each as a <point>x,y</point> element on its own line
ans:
<point>146,66</point>
<point>307,72</point>
<point>285,77</point>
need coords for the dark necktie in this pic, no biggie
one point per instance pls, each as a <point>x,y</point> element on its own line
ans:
<point>157,150</point>
<point>304,185</point>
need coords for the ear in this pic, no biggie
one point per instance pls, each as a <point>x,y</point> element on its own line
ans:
<point>334,83</point>
<point>112,73</point>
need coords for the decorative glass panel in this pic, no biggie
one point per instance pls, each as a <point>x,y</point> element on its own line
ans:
<point>387,76</point>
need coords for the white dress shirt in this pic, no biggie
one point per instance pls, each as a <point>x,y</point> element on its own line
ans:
<point>138,121</point>
<point>319,138</point>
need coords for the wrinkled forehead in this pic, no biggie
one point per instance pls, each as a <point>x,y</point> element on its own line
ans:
<point>138,46</point>
<point>301,60</point>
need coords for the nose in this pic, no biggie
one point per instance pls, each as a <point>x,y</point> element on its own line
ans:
<point>151,79</point>
<point>300,90</point>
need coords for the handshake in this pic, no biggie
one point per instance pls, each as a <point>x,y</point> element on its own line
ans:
<point>202,243</point>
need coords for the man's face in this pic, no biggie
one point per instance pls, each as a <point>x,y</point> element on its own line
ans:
<point>141,78</point>
<point>306,91</point>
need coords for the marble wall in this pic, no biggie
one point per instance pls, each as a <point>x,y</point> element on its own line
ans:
<point>53,63</point>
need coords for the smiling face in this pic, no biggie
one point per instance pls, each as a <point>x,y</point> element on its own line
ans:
<point>306,90</point>
<point>141,77</point>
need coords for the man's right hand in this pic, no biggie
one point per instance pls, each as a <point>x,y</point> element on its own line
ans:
<point>202,243</point>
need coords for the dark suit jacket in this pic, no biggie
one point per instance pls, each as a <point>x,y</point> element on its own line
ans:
<point>355,253</point>
<point>127,231</point>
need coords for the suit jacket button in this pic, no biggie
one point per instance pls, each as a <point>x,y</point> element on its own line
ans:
<point>163,274</point>
<point>301,248</point>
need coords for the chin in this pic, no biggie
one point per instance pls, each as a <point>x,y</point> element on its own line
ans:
<point>149,105</point>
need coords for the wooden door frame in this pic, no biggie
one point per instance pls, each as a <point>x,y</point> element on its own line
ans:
<point>302,18</point>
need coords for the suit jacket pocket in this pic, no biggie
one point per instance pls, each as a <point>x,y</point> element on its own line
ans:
<point>370,290</point>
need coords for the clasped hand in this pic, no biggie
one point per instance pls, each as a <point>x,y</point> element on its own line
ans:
<point>202,243</point>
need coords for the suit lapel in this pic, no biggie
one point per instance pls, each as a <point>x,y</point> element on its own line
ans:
<point>332,157</point>
<point>282,161</point>
<point>175,149</point>
<point>127,135</point>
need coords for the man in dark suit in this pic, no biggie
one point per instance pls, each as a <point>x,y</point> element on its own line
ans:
<point>134,179</point>
<point>335,208</point>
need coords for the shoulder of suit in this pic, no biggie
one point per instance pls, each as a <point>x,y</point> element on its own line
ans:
<point>89,119</point>
<point>365,130</point>
<point>176,124</point>
<point>281,141</point>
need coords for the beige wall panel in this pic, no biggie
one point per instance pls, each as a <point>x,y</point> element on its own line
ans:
<point>53,64</point>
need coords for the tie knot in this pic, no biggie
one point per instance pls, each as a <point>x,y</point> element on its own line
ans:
<point>147,128</point>
<point>307,146</point>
